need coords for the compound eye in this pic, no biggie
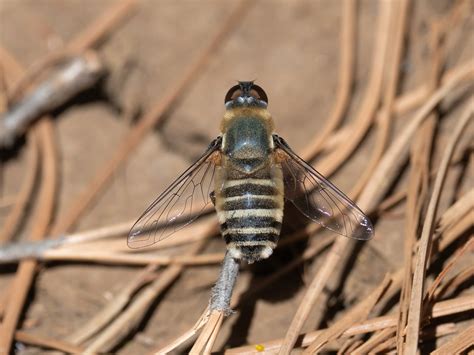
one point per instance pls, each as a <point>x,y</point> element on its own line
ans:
<point>259,93</point>
<point>233,93</point>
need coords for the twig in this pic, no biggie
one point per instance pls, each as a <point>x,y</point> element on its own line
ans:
<point>15,215</point>
<point>76,243</point>
<point>453,284</point>
<point>208,334</point>
<point>458,344</point>
<point>377,338</point>
<point>196,232</point>
<point>236,301</point>
<point>41,220</point>
<point>449,264</point>
<point>219,305</point>
<point>356,314</point>
<point>414,315</point>
<point>15,252</point>
<point>204,319</point>
<point>414,98</point>
<point>95,33</point>
<point>34,339</point>
<point>365,116</point>
<point>402,104</point>
<point>440,309</point>
<point>101,319</point>
<point>150,119</point>
<point>213,336</point>
<point>462,207</point>
<point>133,259</point>
<point>386,171</point>
<point>222,291</point>
<point>80,73</point>
<point>384,118</point>
<point>418,185</point>
<point>349,346</point>
<point>128,319</point>
<point>346,74</point>
<point>91,37</point>
<point>396,155</point>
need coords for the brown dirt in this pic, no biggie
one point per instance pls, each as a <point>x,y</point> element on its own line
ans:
<point>291,49</point>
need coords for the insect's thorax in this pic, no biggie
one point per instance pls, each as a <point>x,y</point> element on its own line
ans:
<point>247,144</point>
<point>249,189</point>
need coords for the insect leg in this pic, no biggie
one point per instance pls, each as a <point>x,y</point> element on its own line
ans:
<point>212,196</point>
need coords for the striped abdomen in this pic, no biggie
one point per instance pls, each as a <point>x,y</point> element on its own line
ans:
<point>250,212</point>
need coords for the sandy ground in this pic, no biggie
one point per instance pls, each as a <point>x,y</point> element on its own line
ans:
<point>292,50</point>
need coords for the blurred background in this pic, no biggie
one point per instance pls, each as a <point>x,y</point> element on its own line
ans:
<point>103,154</point>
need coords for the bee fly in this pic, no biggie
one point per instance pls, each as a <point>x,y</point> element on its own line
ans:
<point>247,173</point>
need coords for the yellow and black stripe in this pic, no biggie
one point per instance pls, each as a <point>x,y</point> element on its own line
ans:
<point>250,213</point>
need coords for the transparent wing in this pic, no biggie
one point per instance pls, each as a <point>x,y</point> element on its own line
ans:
<point>179,205</point>
<point>319,200</point>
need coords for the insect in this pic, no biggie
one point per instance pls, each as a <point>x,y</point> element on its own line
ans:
<point>247,172</point>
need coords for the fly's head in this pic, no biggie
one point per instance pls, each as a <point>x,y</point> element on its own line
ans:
<point>246,94</point>
<point>246,99</point>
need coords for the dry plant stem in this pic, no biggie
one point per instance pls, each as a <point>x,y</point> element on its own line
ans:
<point>80,245</point>
<point>236,301</point>
<point>365,114</point>
<point>222,291</point>
<point>384,174</point>
<point>17,212</point>
<point>461,207</point>
<point>346,74</point>
<point>458,344</point>
<point>213,336</point>
<point>137,259</point>
<point>57,249</point>
<point>414,98</point>
<point>208,335</point>
<point>79,74</point>
<point>349,346</point>
<point>129,318</point>
<point>396,155</point>
<point>418,187</point>
<point>13,253</point>
<point>445,240</point>
<point>440,309</point>
<point>313,291</point>
<point>391,201</point>
<point>448,266</point>
<point>105,24</point>
<point>394,57</point>
<point>402,104</point>
<point>219,305</point>
<point>356,314</point>
<point>182,339</point>
<point>414,315</point>
<point>41,220</point>
<point>454,283</point>
<point>101,319</point>
<point>378,337</point>
<point>91,37</point>
<point>35,70</point>
<point>150,119</point>
<point>36,340</point>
